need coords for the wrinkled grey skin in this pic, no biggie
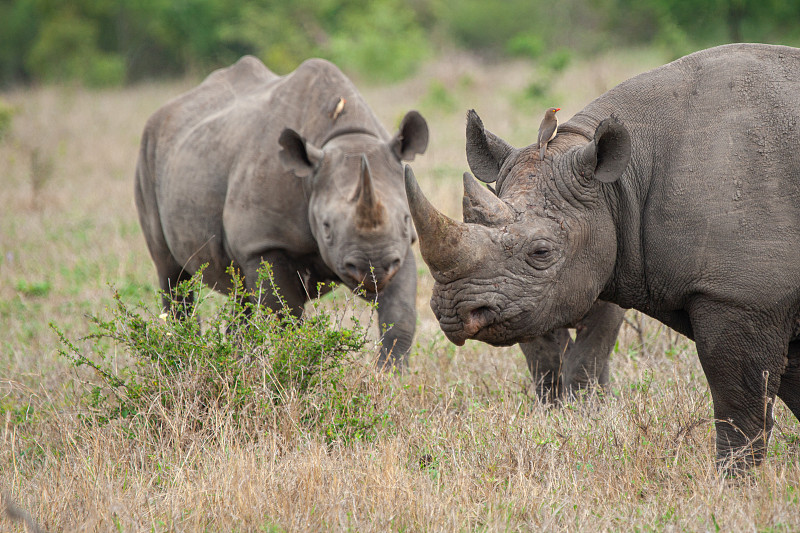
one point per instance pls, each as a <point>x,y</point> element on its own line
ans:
<point>559,366</point>
<point>251,167</point>
<point>676,193</point>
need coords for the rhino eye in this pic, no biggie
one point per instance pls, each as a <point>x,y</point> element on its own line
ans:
<point>541,256</point>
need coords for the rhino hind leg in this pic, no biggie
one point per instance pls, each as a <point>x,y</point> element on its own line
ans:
<point>789,390</point>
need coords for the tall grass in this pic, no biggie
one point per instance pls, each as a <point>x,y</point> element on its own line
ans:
<point>457,443</point>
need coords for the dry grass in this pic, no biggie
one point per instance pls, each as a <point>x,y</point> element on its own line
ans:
<point>465,446</point>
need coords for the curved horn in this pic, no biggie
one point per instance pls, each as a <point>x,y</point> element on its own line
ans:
<point>365,194</point>
<point>441,238</point>
<point>481,206</point>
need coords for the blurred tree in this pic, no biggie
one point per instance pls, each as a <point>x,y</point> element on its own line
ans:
<point>101,42</point>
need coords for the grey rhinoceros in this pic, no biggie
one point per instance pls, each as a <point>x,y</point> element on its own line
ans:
<point>676,193</point>
<point>251,167</point>
<point>559,366</point>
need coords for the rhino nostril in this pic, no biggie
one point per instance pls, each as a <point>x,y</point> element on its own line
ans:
<point>354,272</point>
<point>477,319</point>
<point>393,267</point>
<point>480,313</point>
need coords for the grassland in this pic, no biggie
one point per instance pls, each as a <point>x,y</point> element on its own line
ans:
<point>464,445</point>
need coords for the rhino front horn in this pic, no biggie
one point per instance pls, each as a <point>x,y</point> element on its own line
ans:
<point>369,210</point>
<point>441,239</point>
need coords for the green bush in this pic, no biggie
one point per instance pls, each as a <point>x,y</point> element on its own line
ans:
<point>382,42</point>
<point>528,45</point>
<point>66,50</point>
<point>245,364</point>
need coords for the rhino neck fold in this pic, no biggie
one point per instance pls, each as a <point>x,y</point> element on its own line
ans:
<point>352,130</point>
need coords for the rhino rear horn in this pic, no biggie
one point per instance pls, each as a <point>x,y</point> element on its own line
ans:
<point>609,153</point>
<point>412,137</point>
<point>482,206</point>
<point>486,152</point>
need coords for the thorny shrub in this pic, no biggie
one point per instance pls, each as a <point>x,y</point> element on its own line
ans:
<point>243,362</point>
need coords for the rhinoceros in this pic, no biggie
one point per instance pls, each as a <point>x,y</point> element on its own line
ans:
<point>560,367</point>
<point>676,193</point>
<point>297,171</point>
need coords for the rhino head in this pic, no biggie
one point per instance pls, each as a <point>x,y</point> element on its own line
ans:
<point>535,255</point>
<point>357,211</point>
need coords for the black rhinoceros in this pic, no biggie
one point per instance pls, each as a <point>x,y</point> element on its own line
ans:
<point>676,193</point>
<point>560,367</point>
<point>297,171</point>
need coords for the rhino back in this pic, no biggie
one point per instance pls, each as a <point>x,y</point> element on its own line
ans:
<point>711,200</point>
<point>213,158</point>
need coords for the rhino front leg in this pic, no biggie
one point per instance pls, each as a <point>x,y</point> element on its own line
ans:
<point>586,362</point>
<point>743,358</point>
<point>545,358</point>
<point>789,391</point>
<point>397,315</point>
<point>561,367</point>
<point>285,281</point>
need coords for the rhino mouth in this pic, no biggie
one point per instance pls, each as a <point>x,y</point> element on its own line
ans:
<point>368,282</point>
<point>362,274</point>
<point>484,323</point>
<point>480,323</point>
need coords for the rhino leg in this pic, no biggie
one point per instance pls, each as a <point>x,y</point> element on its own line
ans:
<point>586,362</point>
<point>743,359</point>
<point>561,367</point>
<point>545,357</point>
<point>170,271</point>
<point>397,315</point>
<point>287,283</point>
<point>170,274</point>
<point>789,390</point>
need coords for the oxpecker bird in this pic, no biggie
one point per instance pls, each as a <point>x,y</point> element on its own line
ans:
<point>547,129</point>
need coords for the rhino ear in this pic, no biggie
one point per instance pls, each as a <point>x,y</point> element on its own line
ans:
<point>298,155</point>
<point>412,137</point>
<point>608,155</point>
<point>486,152</point>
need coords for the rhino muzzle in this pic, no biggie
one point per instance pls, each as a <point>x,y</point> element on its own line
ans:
<point>460,329</point>
<point>374,278</point>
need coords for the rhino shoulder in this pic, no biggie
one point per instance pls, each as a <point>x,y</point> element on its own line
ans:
<point>246,74</point>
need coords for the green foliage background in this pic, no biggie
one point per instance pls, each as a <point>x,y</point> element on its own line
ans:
<point>111,42</point>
